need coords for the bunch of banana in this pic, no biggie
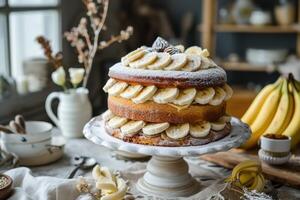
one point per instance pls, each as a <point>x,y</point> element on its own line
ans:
<point>248,174</point>
<point>275,110</point>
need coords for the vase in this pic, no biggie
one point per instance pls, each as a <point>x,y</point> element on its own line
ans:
<point>242,10</point>
<point>73,112</point>
<point>285,12</point>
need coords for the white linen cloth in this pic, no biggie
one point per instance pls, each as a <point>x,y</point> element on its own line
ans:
<point>28,187</point>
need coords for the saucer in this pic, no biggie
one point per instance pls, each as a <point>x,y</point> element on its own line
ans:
<point>271,159</point>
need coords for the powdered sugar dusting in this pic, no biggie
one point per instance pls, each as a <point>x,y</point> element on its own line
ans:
<point>205,77</point>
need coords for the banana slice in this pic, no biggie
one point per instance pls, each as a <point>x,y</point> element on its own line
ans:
<point>119,194</point>
<point>193,63</point>
<point>194,50</point>
<point>200,130</point>
<point>102,173</point>
<point>205,96</point>
<point>219,96</point>
<point>131,91</point>
<point>204,53</point>
<point>228,90</point>
<point>163,59</point>
<point>146,94</point>
<point>155,128</point>
<point>106,181</point>
<point>178,61</point>
<point>185,97</point>
<point>117,88</point>
<point>165,95</point>
<point>206,63</point>
<point>180,47</point>
<point>144,61</point>
<point>132,56</point>
<point>178,131</point>
<point>218,125</point>
<point>107,115</point>
<point>116,122</point>
<point>132,127</point>
<point>226,118</point>
<point>109,84</point>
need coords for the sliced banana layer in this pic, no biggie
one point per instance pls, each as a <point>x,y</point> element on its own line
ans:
<point>200,130</point>
<point>193,59</point>
<point>178,61</point>
<point>145,94</point>
<point>185,97</point>
<point>107,115</point>
<point>117,88</point>
<point>218,125</point>
<point>219,96</point>
<point>131,91</point>
<point>175,131</point>
<point>144,61</point>
<point>132,127</point>
<point>155,128</point>
<point>109,84</point>
<point>117,122</point>
<point>193,63</point>
<point>178,131</point>
<point>165,95</point>
<point>163,59</point>
<point>182,97</point>
<point>205,96</point>
<point>132,56</point>
<point>228,90</point>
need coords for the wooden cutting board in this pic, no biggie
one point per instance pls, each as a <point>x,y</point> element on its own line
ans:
<point>287,174</point>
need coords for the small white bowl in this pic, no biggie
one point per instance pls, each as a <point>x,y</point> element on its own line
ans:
<point>275,151</point>
<point>35,142</point>
<point>275,145</point>
<point>259,57</point>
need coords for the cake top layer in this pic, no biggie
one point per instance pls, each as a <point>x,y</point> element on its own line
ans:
<point>165,65</point>
<point>215,76</point>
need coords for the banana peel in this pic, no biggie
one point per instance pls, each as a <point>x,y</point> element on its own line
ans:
<point>248,174</point>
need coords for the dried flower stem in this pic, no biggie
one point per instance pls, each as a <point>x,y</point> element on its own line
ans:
<point>86,44</point>
<point>55,60</point>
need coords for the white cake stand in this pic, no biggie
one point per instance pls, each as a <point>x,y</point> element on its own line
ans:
<point>167,172</point>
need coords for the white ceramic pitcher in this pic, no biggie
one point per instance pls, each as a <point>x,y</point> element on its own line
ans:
<point>73,112</point>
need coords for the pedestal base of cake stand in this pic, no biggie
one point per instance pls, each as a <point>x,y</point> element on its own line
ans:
<point>168,175</point>
<point>167,172</point>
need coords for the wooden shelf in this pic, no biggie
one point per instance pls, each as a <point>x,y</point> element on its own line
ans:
<point>256,29</point>
<point>244,66</point>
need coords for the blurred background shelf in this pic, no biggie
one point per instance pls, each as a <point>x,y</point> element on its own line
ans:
<point>257,29</point>
<point>244,66</point>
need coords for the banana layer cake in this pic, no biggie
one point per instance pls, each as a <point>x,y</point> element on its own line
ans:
<point>165,95</point>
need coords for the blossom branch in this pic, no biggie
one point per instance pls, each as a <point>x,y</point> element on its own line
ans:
<point>124,35</point>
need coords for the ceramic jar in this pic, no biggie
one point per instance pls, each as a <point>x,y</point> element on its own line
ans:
<point>285,12</point>
<point>73,112</point>
<point>275,150</point>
